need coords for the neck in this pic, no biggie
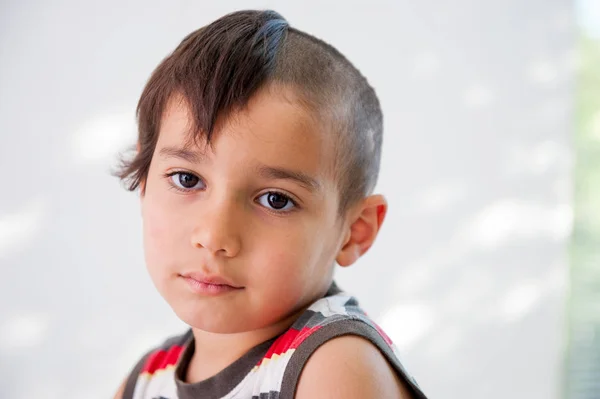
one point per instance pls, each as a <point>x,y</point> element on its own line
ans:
<point>224,349</point>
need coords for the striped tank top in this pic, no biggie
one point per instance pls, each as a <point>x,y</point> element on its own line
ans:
<point>270,370</point>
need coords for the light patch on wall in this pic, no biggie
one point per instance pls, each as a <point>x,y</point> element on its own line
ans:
<point>18,228</point>
<point>440,196</point>
<point>512,219</point>
<point>478,96</point>
<point>406,323</point>
<point>23,332</point>
<point>542,72</point>
<point>520,300</point>
<point>103,137</point>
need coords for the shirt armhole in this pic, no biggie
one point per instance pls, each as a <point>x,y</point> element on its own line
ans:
<point>301,355</point>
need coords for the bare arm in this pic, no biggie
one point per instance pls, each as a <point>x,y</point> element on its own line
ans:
<point>119,393</point>
<point>350,367</point>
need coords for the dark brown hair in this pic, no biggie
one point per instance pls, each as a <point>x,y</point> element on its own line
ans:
<point>217,68</point>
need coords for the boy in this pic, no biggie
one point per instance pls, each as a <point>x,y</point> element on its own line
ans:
<point>258,149</point>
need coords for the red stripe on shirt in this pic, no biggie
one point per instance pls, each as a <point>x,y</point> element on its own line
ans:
<point>161,359</point>
<point>291,339</point>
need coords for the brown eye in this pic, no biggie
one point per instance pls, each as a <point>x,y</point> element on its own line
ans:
<point>276,201</point>
<point>186,181</point>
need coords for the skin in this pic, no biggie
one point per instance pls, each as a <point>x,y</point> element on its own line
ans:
<point>210,210</point>
<point>349,367</point>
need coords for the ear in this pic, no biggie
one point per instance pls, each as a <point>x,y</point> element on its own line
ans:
<point>365,222</point>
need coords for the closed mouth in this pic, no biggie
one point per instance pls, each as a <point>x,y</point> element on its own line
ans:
<point>213,280</point>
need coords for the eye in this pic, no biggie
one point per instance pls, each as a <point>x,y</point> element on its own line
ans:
<point>186,181</point>
<point>276,201</point>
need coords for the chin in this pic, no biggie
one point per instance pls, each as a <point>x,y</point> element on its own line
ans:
<point>210,321</point>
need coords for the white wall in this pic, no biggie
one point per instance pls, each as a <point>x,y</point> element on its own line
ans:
<point>469,274</point>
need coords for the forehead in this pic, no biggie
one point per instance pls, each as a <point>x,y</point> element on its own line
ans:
<point>273,129</point>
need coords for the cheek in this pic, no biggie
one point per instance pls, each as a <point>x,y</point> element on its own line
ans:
<point>161,232</point>
<point>297,255</point>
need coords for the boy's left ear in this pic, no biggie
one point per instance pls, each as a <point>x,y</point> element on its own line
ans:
<point>365,221</point>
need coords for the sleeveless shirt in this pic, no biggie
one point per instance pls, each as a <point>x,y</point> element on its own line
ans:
<point>270,370</point>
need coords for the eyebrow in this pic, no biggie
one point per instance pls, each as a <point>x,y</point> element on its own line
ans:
<point>182,153</point>
<point>305,180</point>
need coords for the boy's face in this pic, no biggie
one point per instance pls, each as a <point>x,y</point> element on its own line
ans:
<point>256,211</point>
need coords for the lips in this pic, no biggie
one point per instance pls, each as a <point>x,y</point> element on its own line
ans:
<point>209,285</point>
<point>210,279</point>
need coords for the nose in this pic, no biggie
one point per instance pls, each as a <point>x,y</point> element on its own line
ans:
<point>217,229</point>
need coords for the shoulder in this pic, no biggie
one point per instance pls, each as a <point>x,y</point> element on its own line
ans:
<point>350,367</point>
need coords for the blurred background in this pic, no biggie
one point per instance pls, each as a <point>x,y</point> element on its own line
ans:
<point>583,355</point>
<point>487,271</point>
